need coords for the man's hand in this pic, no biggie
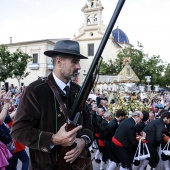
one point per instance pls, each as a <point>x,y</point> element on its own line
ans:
<point>143,134</point>
<point>64,138</point>
<point>6,97</point>
<point>74,153</point>
<point>2,93</point>
<point>166,138</point>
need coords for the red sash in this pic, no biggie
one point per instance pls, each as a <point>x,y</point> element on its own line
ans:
<point>101,143</point>
<point>97,135</point>
<point>116,142</point>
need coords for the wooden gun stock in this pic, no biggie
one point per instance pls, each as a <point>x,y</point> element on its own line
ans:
<point>61,162</point>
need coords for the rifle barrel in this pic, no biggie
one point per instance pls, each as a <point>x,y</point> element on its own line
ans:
<point>97,56</point>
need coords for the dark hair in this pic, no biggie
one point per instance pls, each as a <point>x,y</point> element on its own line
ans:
<point>161,112</point>
<point>57,55</point>
<point>93,101</point>
<point>165,114</point>
<point>120,113</point>
<point>112,101</point>
<point>89,99</point>
<point>145,115</point>
<point>152,112</point>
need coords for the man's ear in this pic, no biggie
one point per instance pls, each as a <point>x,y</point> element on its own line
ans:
<point>58,61</point>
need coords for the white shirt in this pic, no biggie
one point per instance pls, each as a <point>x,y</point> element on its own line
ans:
<point>60,83</point>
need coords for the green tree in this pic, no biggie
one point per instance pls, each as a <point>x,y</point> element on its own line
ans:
<point>154,67</point>
<point>6,63</point>
<point>13,65</point>
<point>165,78</point>
<point>108,68</point>
<point>21,61</point>
<point>141,63</point>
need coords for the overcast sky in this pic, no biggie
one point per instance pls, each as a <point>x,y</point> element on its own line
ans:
<point>146,21</point>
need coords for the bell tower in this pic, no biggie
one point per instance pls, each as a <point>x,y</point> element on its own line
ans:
<point>90,35</point>
<point>92,13</point>
<point>93,25</point>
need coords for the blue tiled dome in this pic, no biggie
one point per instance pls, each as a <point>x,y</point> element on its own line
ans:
<point>119,36</point>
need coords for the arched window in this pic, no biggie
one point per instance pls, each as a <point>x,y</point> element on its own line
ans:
<point>95,19</point>
<point>88,20</point>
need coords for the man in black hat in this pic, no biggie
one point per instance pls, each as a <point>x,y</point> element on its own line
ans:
<point>40,121</point>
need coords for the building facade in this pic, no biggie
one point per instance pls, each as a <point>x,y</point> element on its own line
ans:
<point>89,38</point>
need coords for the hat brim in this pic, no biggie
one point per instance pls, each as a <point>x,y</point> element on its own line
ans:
<point>52,53</point>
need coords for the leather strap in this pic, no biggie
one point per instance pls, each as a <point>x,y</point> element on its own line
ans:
<point>59,99</point>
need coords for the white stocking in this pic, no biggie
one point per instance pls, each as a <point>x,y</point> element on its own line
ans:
<point>97,154</point>
<point>166,164</point>
<point>90,148</point>
<point>112,166</point>
<point>101,156</point>
<point>102,164</point>
<point>94,144</point>
<point>121,168</point>
<point>134,167</point>
<point>107,164</point>
<point>144,163</point>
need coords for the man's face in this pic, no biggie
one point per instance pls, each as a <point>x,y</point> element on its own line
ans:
<point>151,116</point>
<point>139,118</point>
<point>167,121</point>
<point>105,103</point>
<point>69,68</point>
<point>156,110</point>
<point>94,108</point>
<point>101,113</point>
<point>122,118</point>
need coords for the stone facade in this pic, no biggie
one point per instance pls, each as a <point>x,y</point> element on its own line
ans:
<point>89,38</point>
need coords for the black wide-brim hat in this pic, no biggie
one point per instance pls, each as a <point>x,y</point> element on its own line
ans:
<point>69,47</point>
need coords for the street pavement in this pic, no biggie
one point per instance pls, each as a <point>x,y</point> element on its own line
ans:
<point>96,166</point>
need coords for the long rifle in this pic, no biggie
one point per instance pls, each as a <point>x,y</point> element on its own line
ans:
<point>86,88</point>
<point>84,91</point>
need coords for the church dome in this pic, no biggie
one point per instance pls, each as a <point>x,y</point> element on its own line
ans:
<point>119,36</point>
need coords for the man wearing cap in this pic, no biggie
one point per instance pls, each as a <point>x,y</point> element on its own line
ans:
<point>40,120</point>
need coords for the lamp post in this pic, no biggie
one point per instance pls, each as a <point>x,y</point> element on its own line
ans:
<point>156,88</point>
<point>148,80</point>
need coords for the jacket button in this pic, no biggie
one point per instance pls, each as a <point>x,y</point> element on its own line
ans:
<point>44,149</point>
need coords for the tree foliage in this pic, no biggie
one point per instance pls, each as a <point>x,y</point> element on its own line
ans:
<point>141,63</point>
<point>6,63</point>
<point>21,61</point>
<point>165,79</point>
<point>13,65</point>
<point>108,68</point>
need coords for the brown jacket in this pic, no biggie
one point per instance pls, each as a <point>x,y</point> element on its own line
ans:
<point>38,117</point>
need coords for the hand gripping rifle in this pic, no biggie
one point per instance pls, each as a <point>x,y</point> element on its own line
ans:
<point>88,85</point>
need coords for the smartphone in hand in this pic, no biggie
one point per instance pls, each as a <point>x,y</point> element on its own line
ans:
<point>6,86</point>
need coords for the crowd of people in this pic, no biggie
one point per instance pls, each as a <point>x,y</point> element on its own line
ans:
<point>10,150</point>
<point>39,118</point>
<point>117,135</point>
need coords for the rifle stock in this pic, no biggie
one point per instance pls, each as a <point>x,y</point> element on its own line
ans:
<point>87,87</point>
<point>61,163</point>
